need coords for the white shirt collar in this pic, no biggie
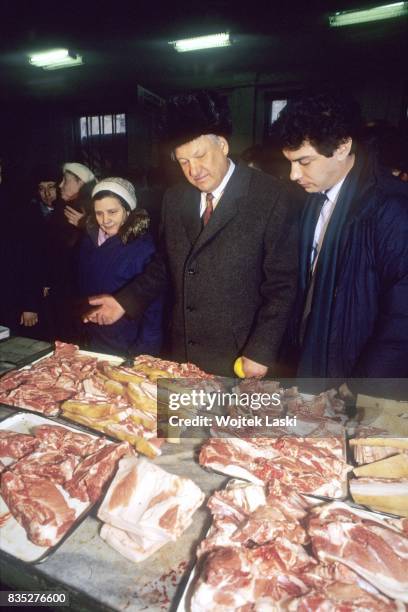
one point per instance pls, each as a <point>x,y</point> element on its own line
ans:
<point>333,192</point>
<point>218,191</point>
<point>221,187</point>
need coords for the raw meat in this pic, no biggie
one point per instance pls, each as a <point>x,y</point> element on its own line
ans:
<point>312,465</point>
<point>56,466</point>
<point>16,445</point>
<point>38,505</point>
<point>151,505</point>
<point>375,548</point>
<point>95,470</point>
<point>67,441</point>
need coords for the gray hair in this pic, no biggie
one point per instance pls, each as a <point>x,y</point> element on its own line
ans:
<point>214,137</point>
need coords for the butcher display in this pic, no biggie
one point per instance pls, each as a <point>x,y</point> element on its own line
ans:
<point>254,556</point>
<point>312,465</point>
<point>57,469</point>
<point>44,385</point>
<point>146,507</point>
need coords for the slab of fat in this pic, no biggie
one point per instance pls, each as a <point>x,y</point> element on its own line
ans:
<point>391,467</point>
<point>382,494</point>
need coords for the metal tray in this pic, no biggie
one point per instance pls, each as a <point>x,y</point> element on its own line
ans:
<point>13,538</point>
<point>113,360</point>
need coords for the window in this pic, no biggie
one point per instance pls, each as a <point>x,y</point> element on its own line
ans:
<point>102,125</point>
<point>101,143</point>
<point>276,107</point>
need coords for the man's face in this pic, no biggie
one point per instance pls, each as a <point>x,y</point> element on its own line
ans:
<point>204,161</point>
<point>47,191</point>
<point>70,186</point>
<point>315,172</point>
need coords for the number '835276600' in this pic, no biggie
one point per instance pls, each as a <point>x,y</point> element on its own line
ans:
<point>33,598</point>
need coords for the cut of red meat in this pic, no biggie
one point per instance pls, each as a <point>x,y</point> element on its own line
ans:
<point>67,441</point>
<point>44,385</point>
<point>38,505</point>
<point>373,548</point>
<point>16,445</point>
<point>56,466</point>
<point>310,465</point>
<point>95,470</point>
<point>341,597</point>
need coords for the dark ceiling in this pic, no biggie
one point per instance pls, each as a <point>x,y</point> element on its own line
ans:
<point>125,44</point>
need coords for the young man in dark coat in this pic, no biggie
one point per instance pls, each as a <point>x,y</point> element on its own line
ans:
<point>351,312</point>
<point>228,251</point>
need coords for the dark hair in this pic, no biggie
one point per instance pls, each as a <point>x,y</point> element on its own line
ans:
<point>136,224</point>
<point>195,114</point>
<point>326,120</point>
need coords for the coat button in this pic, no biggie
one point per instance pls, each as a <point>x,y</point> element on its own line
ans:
<point>191,271</point>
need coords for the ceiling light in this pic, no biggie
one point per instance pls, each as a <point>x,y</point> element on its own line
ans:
<point>202,42</point>
<point>386,11</point>
<point>55,59</point>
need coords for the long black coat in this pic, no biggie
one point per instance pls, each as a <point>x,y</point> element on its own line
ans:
<point>233,283</point>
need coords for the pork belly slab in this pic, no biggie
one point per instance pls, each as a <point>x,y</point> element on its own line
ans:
<point>151,505</point>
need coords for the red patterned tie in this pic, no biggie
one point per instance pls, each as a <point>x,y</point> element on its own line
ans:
<point>208,209</point>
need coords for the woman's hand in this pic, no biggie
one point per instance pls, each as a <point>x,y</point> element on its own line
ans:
<point>29,319</point>
<point>73,216</point>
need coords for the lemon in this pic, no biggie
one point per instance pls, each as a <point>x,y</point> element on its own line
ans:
<point>238,368</point>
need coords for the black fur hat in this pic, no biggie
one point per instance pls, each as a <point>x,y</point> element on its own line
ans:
<point>192,115</point>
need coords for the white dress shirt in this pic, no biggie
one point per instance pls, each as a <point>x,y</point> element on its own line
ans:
<point>218,191</point>
<point>326,212</point>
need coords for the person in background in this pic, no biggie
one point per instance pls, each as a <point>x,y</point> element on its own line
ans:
<point>46,185</point>
<point>65,231</point>
<point>39,215</point>
<point>351,314</point>
<point>228,251</point>
<point>116,247</point>
<point>20,268</point>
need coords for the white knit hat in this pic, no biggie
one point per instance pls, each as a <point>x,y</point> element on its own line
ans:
<point>81,171</point>
<point>120,186</point>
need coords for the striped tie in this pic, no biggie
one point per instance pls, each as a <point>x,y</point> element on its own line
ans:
<point>208,209</point>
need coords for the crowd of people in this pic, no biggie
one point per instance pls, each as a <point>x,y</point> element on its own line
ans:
<point>243,266</point>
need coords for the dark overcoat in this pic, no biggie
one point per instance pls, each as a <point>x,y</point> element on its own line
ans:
<point>233,282</point>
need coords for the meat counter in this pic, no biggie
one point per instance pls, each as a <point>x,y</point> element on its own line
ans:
<point>98,578</point>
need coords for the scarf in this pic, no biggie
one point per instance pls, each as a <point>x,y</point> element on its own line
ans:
<point>315,346</point>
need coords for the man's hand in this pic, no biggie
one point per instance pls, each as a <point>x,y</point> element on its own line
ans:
<point>109,310</point>
<point>253,369</point>
<point>29,319</point>
<point>73,216</point>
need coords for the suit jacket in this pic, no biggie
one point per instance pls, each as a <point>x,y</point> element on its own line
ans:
<point>233,282</point>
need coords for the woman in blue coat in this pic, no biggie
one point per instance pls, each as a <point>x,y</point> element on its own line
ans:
<point>117,246</point>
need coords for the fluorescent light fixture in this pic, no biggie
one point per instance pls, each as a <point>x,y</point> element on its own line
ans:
<point>202,42</point>
<point>55,59</point>
<point>377,13</point>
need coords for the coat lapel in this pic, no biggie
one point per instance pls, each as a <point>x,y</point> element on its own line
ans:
<point>227,207</point>
<point>190,213</point>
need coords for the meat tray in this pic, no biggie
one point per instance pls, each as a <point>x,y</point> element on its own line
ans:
<point>112,359</point>
<point>13,538</point>
<point>184,603</point>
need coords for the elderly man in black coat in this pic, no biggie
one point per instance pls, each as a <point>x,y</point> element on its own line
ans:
<point>228,251</point>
